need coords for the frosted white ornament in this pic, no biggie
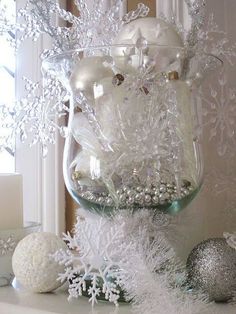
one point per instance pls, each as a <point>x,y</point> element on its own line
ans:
<point>88,71</point>
<point>141,33</point>
<point>32,265</point>
<point>154,30</point>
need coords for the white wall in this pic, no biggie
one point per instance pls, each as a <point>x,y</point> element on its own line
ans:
<point>211,213</point>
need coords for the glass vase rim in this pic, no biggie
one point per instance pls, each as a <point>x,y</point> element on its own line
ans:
<point>97,47</point>
<point>70,52</point>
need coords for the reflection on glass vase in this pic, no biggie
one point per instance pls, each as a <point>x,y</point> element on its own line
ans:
<point>132,139</point>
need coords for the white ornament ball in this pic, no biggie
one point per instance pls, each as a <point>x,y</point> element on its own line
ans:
<point>149,31</point>
<point>87,72</point>
<point>154,30</point>
<point>32,265</point>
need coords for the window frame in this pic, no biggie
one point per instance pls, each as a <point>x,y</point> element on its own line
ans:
<point>43,184</point>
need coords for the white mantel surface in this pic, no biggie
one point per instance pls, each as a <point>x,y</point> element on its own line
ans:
<point>17,301</point>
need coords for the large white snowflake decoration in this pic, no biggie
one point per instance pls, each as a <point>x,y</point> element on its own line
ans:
<point>34,118</point>
<point>222,184</point>
<point>94,25</point>
<point>130,251</point>
<point>211,39</point>
<point>7,20</point>
<point>219,113</point>
<point>205,36</point>
<point>94,261</point>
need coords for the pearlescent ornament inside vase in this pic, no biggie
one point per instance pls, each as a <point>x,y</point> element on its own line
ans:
<point>146,33</point>
<point>131,140</point>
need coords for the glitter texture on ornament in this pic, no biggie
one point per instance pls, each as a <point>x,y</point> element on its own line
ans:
<point>211,268</point>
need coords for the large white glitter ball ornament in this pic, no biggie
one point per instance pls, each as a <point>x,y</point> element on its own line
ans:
<point>32,264</point>
<point>88,71</point>
<point>143,32</point>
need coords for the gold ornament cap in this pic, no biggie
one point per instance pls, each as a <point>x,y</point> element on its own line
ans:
<point>173,75</point>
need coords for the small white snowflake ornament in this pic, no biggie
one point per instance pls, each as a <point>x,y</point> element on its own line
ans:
<point>219,113</point>
<point>32,264</point>
<point>7,245</point>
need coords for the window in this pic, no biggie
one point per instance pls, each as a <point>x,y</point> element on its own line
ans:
<point>7,80</point>
<point>43,184</point>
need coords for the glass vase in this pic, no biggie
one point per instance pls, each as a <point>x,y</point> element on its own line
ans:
<point>133,139</point>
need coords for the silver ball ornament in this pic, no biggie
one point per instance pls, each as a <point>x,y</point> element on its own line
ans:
<point>147,198</point>
<point>211,267</point>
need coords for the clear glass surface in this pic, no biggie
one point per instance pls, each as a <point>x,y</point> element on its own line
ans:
<point>132,132</point>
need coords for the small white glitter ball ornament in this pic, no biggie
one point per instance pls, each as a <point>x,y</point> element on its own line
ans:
<point>32,265</point>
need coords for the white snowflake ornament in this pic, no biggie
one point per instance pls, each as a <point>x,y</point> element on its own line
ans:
<point>128,252</point>
<point>32,264</point>
<point>93,263</point>
<point>219,112</point>
<point>7,245</point>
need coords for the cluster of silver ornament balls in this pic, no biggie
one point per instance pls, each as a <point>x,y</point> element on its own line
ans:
<point>152,196</point>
